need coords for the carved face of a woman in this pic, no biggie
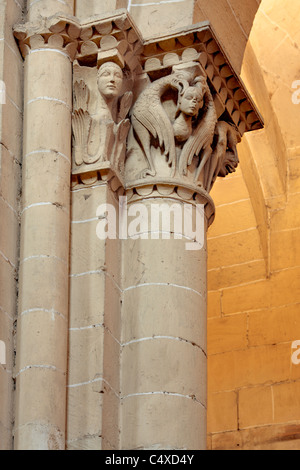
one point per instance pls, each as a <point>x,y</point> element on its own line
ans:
<point>191,101</point>
<point>110,80</point>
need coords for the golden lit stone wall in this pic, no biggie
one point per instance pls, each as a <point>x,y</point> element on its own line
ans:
<point>254,255</point>
<point>232,20</point>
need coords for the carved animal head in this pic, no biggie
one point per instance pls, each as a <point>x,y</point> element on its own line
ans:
<point>230,163</point>
<point>228,138</point>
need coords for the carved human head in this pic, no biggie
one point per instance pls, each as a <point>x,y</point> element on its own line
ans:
<point>191,101</point>
<point>110,80</point>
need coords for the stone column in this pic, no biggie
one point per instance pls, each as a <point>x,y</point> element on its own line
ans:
<point>163,360</point>
<point>42,331</point>
<point>93,372</point>
<point>189,115</point>
<point>46,8</point>
<point>100,126</point>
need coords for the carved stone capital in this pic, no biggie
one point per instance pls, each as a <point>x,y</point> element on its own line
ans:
<point>199,43</point>
<point>112,37</point>
<point>190,114</point>
<point>53,33</point>
<point>175,191</point>
<point>162,116</point>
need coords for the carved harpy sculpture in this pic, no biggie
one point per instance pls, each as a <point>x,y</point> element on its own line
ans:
<point>201,138</point>
<point>102,137</point>
<point>150,120</point>
<point>184,135</point>
<point>195,145</point>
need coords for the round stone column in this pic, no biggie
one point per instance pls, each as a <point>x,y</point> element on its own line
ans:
<point>42,330</point>
<point>163,358</point>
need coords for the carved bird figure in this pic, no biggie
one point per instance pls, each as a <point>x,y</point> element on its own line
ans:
<point>150,120</point>
<point>201,138</point>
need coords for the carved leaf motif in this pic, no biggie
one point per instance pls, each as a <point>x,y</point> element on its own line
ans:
<point>81,124</point>
<point>125,105</point>
<point>82,95</point>
<point>122,130</point>
<point>121,133</point>
<point>71,49</point>
<point>56,41</point>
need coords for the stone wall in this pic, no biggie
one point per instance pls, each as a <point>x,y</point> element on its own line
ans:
<point>254,276</point>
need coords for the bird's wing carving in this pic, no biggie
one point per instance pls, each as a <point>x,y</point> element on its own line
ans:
<point>81,120</point>
<point>125,105</point>
<point>202,136</point>
<point>82,95</point>
<point>149,112</point>
<point>81,124</point>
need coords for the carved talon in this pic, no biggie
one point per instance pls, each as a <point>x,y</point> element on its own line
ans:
<point>147,172</point>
